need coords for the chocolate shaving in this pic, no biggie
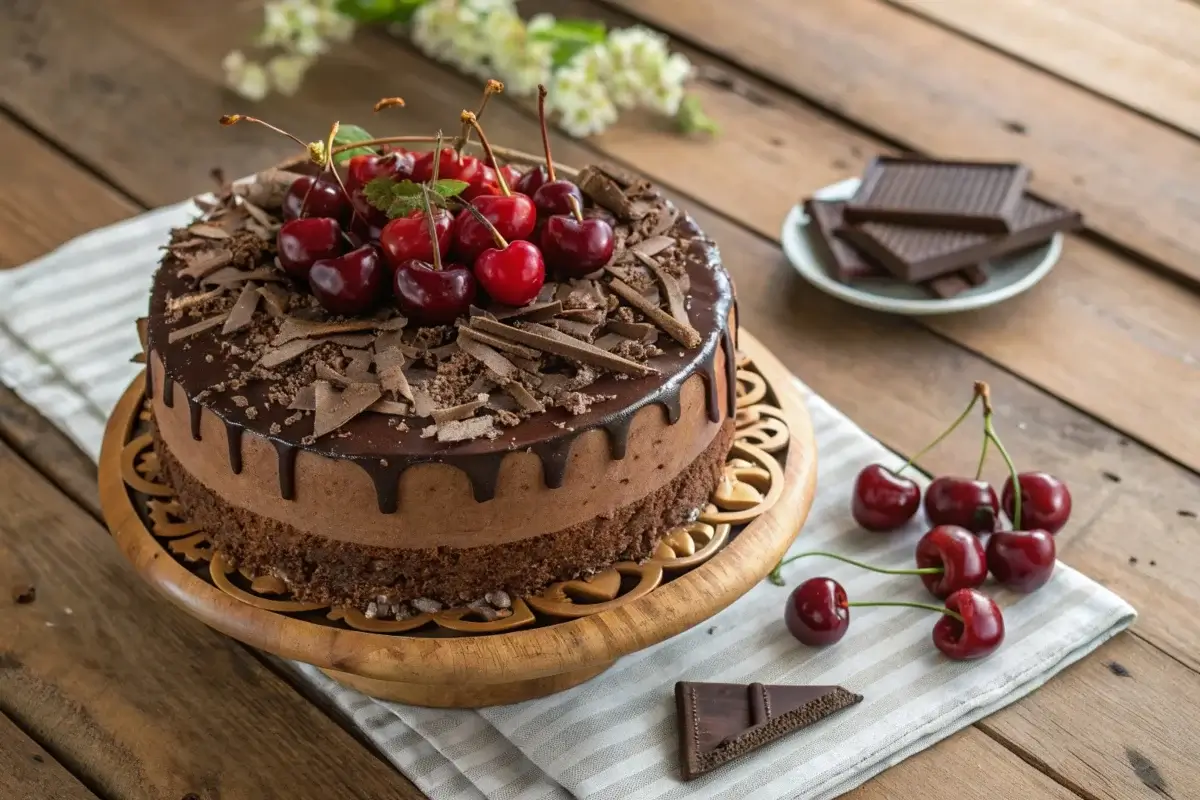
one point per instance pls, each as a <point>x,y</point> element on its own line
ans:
<point>359,368</point>
<point>549,340</point>
<point>639,331</point>
<point>260,216</point>
<point>267,188</point>
<point>327,373</point>
<point>242,313</point>
<point>639,209</point>
<point>192,330</point>
<point>584,331</point>
<point>500,368</point>
<point>610,340</point>
<point>208,231</point>
<point>358,341</point>
<point>305,399</point>
<point>276,300</point>
<point>530,366</point>
<point>462,411</point>
<point>664,222</point>
<point>297,328</point>
<point>444,351</point>
<point>393,380</point>
<point>390,407</point>
<point>498,343</point>
<point>524,398</point>
<point>461,431</point>
<point>286,352</point>
<point>652,246</point>
<point>675,297</point>
<point>335,409</point>
<point>534,312</point>
<point>476,311</point>
<point>386,358</point>
<point>395,339</point>
<point>423,405</point>
<point>200,265</point>
<point>183,302</point>
<point>604,191</point>
<point>683,333</point>
<point>592,315</point>
<point>547,292</point>
<point>187,244</point>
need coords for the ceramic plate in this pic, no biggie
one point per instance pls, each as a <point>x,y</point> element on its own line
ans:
<point>1007,276</point>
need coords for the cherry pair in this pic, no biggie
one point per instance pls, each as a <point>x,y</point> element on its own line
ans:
<point>971,625</point>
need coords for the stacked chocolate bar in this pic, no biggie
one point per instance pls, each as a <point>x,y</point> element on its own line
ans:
<point>933,223</point>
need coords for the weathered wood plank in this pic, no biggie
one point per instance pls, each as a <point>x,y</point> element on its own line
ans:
<point>135,697</point>
<point>1169,26</point>
<point>27,772</point>
<point>1110,60</point>
<point>938,92</point>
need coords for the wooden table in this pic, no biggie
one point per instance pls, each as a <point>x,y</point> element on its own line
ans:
<point>107,109</point>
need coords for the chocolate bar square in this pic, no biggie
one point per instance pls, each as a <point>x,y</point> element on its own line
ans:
<point>958,195</point>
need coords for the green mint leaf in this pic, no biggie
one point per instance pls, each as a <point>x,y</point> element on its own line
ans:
<point>349,134</point>
<point>569,36</point>
<point>449,187</point>
<point>691,118</point>
<point>403,206</point>
<point>406,188</point>
<point>378,192</point>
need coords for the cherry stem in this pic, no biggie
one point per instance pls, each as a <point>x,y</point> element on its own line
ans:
<point>982,456</point>
<point>776,578</point>
<point>329,166</point>
<point>432,226</point>
<point>904,604</point>
<point>233,119</point>
<point>469,119</point>
<point>492,87</point>
<point>501,243</point>
<point>989,432</point>
<point>966,412</point>
<point>437,158</point>
<point>545,136</point>
<point>575,207</point>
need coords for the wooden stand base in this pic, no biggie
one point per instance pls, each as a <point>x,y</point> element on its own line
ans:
<point>552,641</point>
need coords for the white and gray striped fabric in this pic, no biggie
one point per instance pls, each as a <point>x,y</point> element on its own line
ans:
<point>66,334</point>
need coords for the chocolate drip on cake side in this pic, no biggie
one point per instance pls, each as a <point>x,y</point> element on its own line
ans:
<point>555,455</point>
<point>149,392</point>
<point>233,434</point>
<point>730,371</point>
<point>168,390</point>
<point>287,468</point>
<point>194,411</point>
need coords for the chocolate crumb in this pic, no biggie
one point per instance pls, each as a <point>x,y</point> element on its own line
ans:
<point>1119,670</point>
<point>24,594</point>
<point>275,429</point>
<point>240,401</point>
<point>251,413</point>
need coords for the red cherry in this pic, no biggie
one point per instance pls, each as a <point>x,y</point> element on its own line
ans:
<point>513,275</point>
<point>1045,501</point>
<point>980,632</point>
<point>554,197</point>
<point>432,296</point>
<point>596,212</point>
<point>1021,560</point>
<point>514,217</point>
<point>451,165</point>
<point>407,238</point>
<point>959,553</point>
<point>350,283</point>
<point>366,231</point>
<point>303,242</point>
<point>883,500</point>
<point>817,612</point>
<point>363,169</point>
<point>964,502</point>
<point>511,176</point>
<point>324,199</point>
<point>484,183</point>
<point>531,181</point>
<point>576,248</point>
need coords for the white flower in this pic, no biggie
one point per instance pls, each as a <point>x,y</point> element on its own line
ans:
<point>644,72</point>
<point>578,95</point>
<point>521,62</point>
<point>287,72</point>
<point>247,78</point>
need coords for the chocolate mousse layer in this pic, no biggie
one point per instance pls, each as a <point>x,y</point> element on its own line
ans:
<point>320,569</point>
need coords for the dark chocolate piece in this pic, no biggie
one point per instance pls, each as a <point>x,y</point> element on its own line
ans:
<point>719,722</point>
<point>962,195</point>
<point>919,254</point>
<point>825,218</point>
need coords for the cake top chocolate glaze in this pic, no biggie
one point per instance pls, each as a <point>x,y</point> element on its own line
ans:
<point>245,342</point>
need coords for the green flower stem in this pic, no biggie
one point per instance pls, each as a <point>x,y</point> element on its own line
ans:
<point>989,432</point>
<point>776,578</point>
<point>903,604</point>
<point>982,455</point>
<point>966,412</point>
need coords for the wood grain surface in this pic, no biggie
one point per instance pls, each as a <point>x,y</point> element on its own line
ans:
<point>27,772</point>
<point>1095,369</point>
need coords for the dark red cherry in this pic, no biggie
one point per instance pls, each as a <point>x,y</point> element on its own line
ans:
<point>817,612</point>
<point>960,555</point>
<point>1045,501</point>
<point>514,217</point>
<point>513,275</point>
<point>366,231</point>
<point>555,197</point>
<point>303,242</point>
<point>883,500</point>
<point>964,502</point>
<point>485,183</point>
<point>407,238</point>
<point>512,175</point>
<point>432,296</point>
<point>363,169</point>
<point>978,634</point>
<point>351,283</point>
<point>1021,560</point>
<point>451,165</point>
<point>575,248</point>
<point>531,181</point>
<point>317,197</point>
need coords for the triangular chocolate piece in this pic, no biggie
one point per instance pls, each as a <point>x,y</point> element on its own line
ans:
<point>719,722</point>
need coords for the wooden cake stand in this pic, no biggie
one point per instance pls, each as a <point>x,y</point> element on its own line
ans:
<point>458,657</point>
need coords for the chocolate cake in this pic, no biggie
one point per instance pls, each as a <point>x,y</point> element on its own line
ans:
<point>374,461</point>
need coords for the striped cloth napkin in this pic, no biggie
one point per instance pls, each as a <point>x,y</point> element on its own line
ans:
<point>66,334</point>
